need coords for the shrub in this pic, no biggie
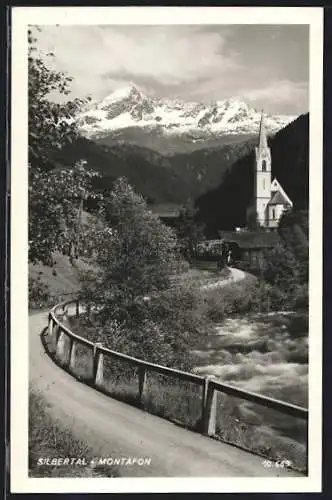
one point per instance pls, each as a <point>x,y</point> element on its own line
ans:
<point>300,297</point>
<point>160,329</point>
<point>269,298</point>
<point>214,308</point>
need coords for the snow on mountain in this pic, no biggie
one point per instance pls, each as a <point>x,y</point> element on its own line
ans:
<point>130,107</point>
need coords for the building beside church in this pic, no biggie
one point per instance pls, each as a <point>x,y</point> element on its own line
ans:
<point>269,198</point>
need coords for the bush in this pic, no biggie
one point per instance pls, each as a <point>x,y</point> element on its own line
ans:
<point>285,267</point>
<point>269,298</point>
<point>214,308</point>
<point>225,301</point>
<point>249,296</point>
<point>159,329</point>
<point>300,297</point>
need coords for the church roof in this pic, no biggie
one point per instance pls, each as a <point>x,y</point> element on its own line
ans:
<point>276,186</point>
<point>278,199</point>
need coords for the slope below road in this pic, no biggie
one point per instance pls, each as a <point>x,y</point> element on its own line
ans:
<point>115,429</point>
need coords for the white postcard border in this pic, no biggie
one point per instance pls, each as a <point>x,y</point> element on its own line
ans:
<point>22,17</point>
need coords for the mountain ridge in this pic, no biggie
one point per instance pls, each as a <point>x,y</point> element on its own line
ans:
<point>129,115</point>
<point>178,179</point>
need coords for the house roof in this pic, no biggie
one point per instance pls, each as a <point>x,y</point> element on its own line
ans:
<point>166,210</point>
<point>251,239</point>
<point>278,199</point>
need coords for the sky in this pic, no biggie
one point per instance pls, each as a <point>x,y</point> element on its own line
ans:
<point>265,65</point>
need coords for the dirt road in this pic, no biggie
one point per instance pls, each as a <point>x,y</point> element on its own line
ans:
<point>236,275</point>
<point>115,429</point>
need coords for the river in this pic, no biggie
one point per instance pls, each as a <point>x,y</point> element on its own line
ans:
<point>266,354</point>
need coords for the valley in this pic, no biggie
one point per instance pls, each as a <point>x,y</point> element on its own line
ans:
<point>173,168</point>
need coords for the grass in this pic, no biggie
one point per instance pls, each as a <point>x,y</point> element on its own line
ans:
<point>57,281</point>
<point>257,429</point>
<point>174,399</point>
<point>48,437</point>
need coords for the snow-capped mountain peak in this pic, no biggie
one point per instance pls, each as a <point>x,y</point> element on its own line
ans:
<point>128,92</point>
<point>130,107</point>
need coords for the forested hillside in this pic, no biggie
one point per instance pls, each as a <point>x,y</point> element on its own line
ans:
<point>225,206</point>
<point>160,179</point>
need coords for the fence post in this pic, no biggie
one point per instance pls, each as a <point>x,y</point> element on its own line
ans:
<point>99,378</point>
<point>69,351</point>
<point>204,393</point>
<point>77,308</point>
<point>51,334</point>
<point>141,382</point>
<point>72,355</point>
<point>55,336</point>
<point>50,326</point>
<point>210,410</point>
<point>306,451</point>
<point>98,364</point>
<point>60,345</point>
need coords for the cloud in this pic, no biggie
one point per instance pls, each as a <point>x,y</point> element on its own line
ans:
<point>280,92</point>
<point>265,65</point>
<point>96,56</point>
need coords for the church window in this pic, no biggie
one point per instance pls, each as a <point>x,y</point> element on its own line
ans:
<point>264,166</point>
<point>273,213</point>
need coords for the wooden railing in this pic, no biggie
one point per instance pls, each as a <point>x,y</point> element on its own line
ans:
<point>207,386</point>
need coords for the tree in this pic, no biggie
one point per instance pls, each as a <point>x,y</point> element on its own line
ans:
<point>138,306</point>
<point>285,267</point>
<point>55,192</point>
<point>55,198</point>
<point>51,125</point>
<point>189,231</point>
<point>135,253</point>
<point>280,267</point>
<point>294,232</point>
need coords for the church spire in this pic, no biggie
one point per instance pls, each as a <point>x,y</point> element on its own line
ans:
<point>262,135</point>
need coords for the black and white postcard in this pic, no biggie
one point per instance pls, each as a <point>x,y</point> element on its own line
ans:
<point>166,249</point>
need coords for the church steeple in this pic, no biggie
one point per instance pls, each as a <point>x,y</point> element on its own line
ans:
<point>262,179</point>
<point>262,144</point>
<point>269,200</point>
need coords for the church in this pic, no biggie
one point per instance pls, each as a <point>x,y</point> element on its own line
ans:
<point>269,200</point>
